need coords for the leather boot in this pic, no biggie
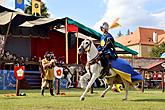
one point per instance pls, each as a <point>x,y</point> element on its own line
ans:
<point>51,92</point>
<point>42,91</point>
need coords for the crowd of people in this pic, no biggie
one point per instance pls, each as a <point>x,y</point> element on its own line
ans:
<point>6,55</point>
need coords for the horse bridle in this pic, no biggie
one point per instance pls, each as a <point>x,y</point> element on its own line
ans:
<point>87,45</point>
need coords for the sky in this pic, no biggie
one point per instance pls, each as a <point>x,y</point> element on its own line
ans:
<point>92,13</point>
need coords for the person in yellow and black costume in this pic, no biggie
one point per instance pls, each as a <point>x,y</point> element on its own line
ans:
<point>48,64</point>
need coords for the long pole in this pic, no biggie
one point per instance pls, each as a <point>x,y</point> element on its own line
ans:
<point>77,48</point>
<point>66,40</point>
<point>163,82</point>
<point>7,33</point>
<point>143,75</point>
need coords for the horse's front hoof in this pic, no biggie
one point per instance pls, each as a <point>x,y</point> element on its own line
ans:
<point>102,95</point>
<point>82,98</point>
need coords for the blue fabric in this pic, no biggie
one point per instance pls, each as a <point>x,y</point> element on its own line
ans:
<point>105,38</point>
<point>122,65</point>
<point>19,4</point>
<point>107,51</point>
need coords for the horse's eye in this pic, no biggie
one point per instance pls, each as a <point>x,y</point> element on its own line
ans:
<point>86,42</point>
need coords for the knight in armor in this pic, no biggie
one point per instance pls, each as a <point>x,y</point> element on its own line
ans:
<point>107,48</point>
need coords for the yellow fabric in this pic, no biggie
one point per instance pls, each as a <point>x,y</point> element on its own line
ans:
<point>118,87</point>
<point>115,23</point>
<point>36,7</point>
<point>123,75</point>
<point>48,73</point>
<point>102,42</point>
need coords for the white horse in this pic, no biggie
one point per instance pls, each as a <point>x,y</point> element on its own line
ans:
<point>94,70</point>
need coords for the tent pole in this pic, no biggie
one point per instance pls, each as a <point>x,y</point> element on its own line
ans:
<point>66,40</point>
<point>7,33</point>
<point>77,47</point>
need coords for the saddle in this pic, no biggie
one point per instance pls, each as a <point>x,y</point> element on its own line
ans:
<point>106,68</point>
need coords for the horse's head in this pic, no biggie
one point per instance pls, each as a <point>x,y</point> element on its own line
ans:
<point>85,46</point>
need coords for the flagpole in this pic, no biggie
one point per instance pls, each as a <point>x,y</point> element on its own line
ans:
<point>66,40</point>
<point>77,46</point>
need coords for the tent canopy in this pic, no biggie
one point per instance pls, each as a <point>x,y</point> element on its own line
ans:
<point>25,25</point>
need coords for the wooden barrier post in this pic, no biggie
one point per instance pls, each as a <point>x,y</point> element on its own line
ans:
<point>19,74</point>
<point>163,81</point>
<point>143,75</point>
<point>163,65</point>
<point>17,87</point>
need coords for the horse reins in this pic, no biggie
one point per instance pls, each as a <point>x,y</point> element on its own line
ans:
<point>93,61</point>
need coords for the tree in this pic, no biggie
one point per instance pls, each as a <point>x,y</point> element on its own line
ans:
<point>44,9</point>
<point>119,34</point>
<point>157,50</point>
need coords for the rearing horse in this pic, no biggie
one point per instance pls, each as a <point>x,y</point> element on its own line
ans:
<point>127,76</point>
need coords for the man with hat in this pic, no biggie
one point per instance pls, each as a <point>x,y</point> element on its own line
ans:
<point>107,48</point>
<point>48,64</point>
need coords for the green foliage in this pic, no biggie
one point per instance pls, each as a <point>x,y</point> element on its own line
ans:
<point>157,50</point>
<point>119,34</point>
<point>44,9</point>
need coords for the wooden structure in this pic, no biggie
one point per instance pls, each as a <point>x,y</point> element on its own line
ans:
<point>151,68</point>
<point>42,34</point>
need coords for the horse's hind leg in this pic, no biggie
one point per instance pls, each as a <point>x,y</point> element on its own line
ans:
<point>126,89</point>
<point>109,87</point>
<point>105,91</point>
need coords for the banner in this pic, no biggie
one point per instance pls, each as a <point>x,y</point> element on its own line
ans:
<point>19,4</point>
<point>36,7</point>
<point>7,80</point>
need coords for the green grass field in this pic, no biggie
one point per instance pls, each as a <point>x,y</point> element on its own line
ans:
<point>149,100</point>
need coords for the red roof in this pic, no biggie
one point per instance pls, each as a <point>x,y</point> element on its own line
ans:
<point>141,36</point>
<point>154,64</point>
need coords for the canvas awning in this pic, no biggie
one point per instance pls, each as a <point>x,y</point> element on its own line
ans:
<point>5,17</point>
<point>37,22</point>
<point>82,36</point>
<point>26,25</point>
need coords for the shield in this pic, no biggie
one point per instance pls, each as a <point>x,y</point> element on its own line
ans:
<point>58,72</point>
<point>19,72</point>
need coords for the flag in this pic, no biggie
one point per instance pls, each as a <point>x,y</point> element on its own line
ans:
<point>36,7</point>
<point>72,28</point>
<point>115,24</point>
<point>19,4</point>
